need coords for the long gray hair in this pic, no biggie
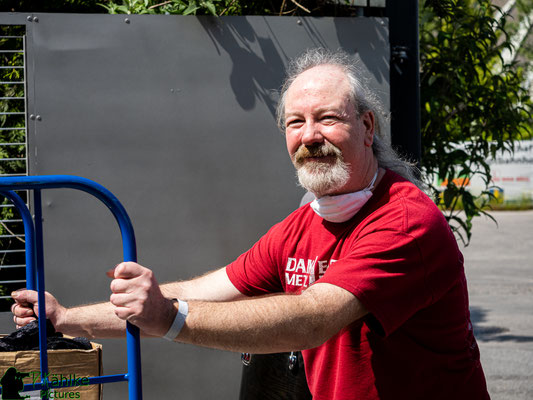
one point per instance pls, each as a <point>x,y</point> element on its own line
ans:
<point>364,100</point>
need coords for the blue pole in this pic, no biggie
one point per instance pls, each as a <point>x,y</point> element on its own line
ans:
<point>37,207</point>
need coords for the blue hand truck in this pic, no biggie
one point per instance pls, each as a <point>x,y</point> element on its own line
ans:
<point>35,266</point>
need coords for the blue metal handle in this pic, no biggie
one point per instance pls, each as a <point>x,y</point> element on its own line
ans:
<point>36,264</point>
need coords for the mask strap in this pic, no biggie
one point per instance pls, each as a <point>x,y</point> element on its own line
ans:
<point>371,184</point>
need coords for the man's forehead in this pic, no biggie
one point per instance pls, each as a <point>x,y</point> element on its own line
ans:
<point>325,84</point>
<point>320,79</point>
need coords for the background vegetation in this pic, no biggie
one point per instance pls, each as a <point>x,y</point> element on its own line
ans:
<point>473,104</point>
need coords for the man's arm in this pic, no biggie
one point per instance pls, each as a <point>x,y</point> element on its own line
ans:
<point>100,321</point>
<point>267,324</point>
<point>213,286</point>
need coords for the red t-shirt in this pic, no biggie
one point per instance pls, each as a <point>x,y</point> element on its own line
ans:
<point>398,256</point>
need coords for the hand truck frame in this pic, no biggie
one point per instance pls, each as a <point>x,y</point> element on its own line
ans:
<point>35,265</point>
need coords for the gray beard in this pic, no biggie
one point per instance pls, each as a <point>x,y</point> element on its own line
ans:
<point>322,178</point>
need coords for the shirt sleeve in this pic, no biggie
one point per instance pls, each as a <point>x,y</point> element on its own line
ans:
<point>386,272</point>
<point>256,272</point>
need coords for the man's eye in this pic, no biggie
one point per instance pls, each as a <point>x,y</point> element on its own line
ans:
<point>294,122</point>
<point>329,118</point>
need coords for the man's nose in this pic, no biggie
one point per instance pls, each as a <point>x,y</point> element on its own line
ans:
<point>312,134</point>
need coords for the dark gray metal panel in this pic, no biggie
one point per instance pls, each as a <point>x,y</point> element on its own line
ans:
<point>175,116</point>
<point>405,78</point>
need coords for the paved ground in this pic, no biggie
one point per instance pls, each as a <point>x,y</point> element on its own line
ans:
<point>499,268</point>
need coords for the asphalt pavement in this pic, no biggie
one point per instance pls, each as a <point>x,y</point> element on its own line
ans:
<point>499,269</point>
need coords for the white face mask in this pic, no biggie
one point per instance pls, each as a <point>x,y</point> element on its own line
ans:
<point>344,206</point>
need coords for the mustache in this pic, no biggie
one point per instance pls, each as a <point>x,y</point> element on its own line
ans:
<point>316,150</point>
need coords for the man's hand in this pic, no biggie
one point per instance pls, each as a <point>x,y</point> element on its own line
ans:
<point>26,308</point>
<point>137,298</point>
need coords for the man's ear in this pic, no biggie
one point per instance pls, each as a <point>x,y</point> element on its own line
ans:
<point>369,124</point>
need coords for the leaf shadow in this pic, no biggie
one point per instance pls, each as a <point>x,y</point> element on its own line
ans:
<point>490,333</point>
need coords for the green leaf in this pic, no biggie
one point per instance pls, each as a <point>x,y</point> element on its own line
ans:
<point>191,9</point>
<point>211,7</point>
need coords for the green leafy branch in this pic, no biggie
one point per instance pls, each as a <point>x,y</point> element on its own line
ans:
<point>474,106</point>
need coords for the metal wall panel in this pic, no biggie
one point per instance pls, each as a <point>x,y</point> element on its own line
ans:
<point>175,115</point>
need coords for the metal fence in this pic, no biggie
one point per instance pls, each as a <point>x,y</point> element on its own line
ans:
<point>13,156</point>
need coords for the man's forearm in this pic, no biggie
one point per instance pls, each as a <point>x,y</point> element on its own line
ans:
<point>100,321</point>
<point>212,286</point>
<point>92,321</point>
<point>271,324</point>
<point>253,326</point>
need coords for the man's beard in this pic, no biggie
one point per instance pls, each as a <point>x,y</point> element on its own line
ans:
<point>324,176</point>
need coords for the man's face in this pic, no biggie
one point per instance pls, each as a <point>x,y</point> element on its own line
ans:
<point>329,145</point>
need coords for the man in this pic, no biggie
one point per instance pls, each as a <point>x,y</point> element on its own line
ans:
<point>367,280</point>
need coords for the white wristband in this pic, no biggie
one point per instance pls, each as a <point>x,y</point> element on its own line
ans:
<point>179,321</point>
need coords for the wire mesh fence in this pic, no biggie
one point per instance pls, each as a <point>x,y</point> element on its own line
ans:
<point>13,157</point>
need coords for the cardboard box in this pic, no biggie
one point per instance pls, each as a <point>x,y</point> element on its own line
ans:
<point>62,365</point>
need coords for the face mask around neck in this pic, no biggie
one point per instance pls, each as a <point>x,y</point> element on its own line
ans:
<point>343,207</point>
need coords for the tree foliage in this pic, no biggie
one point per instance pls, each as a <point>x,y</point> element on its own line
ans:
<point>230,7</point>
<point>180,7</point>
<point>473,105</point>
